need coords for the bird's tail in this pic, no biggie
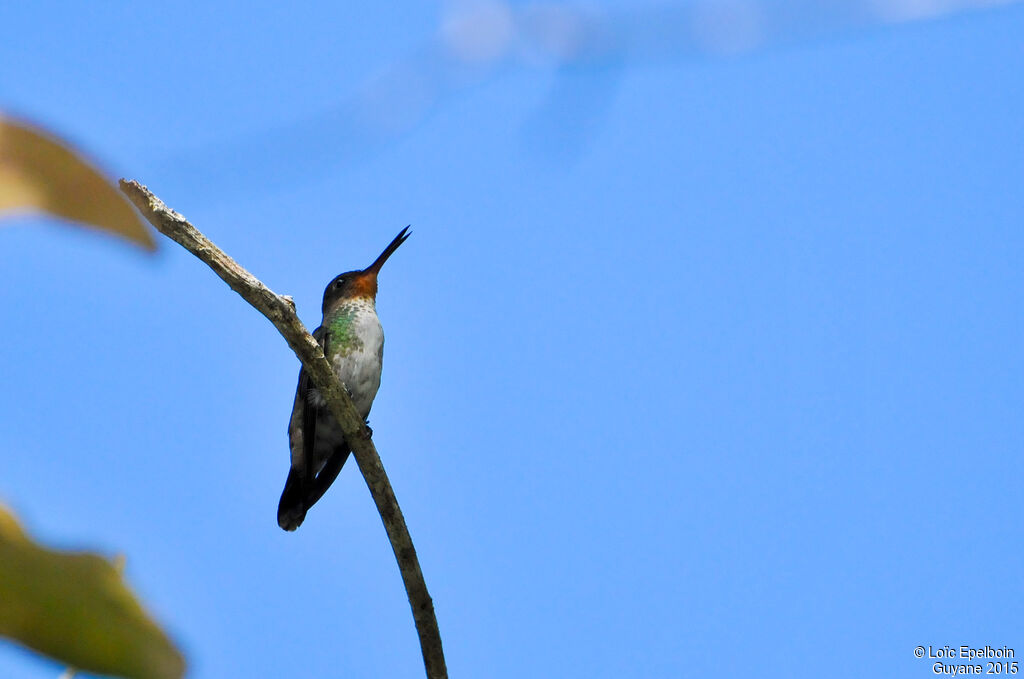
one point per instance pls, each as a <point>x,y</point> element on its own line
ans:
<point>298,497</point>
<point>292,508</point>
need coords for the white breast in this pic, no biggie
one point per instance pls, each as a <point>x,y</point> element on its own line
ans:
<point>359,370</point>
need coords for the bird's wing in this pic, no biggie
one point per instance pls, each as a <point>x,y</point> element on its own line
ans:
<point>291,510</point>
<point>302,427</point>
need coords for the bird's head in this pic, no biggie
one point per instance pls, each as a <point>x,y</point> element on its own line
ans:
<point>355,284</point>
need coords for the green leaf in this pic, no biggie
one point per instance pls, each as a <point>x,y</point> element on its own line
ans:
<point>39,174</point>
<point>75,608</point>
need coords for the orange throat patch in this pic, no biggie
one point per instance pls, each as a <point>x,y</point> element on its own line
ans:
<point>365,286</point>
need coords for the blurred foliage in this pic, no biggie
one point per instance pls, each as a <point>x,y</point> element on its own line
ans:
<point>39,174</point>
<point>72,606</point>
<point>75,608</point>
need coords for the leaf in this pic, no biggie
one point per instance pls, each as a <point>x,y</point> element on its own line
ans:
<point>75,608</point>
<point>39,174</point>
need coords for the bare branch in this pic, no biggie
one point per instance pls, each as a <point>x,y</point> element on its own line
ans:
<point>280,310</point>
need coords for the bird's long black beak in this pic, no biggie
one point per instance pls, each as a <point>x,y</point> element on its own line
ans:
<point>388,251</point>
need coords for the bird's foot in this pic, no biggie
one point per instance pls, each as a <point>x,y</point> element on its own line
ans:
<point>367,431</point>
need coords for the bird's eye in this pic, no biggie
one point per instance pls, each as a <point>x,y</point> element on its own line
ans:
<point>340,282</point>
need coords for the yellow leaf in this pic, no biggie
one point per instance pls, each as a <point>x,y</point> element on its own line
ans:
<point>39,174</point>
<point>75,608</point>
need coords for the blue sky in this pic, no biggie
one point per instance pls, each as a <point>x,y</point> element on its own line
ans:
<point>702,360</point>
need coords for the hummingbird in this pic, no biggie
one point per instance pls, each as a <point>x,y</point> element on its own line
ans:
<point>352,339</point>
